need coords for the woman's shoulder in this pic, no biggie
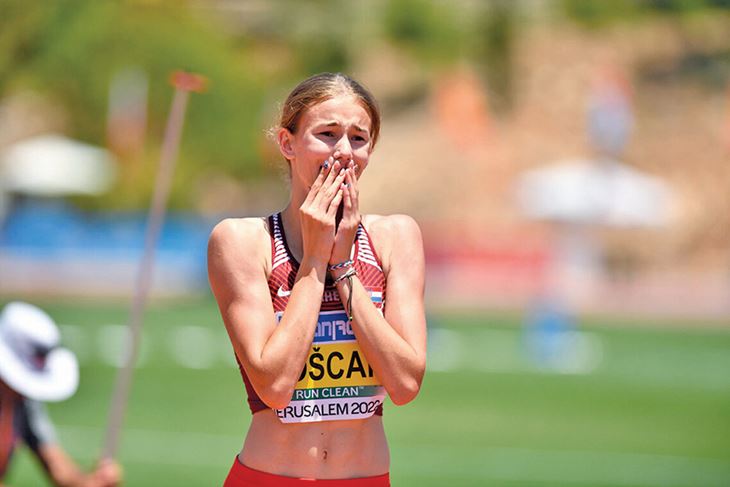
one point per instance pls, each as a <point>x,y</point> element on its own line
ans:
<point>239,234</point>
<point>389,226</point>
<point>393,232</point>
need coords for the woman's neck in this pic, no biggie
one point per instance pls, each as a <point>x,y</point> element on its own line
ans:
<point>292,228</point>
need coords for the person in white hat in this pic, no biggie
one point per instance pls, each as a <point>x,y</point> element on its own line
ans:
<point>35,369</point>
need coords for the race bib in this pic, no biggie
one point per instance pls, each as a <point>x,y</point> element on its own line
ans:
<point>337,382</point>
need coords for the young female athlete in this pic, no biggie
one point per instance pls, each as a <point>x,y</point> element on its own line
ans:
<point>323,305</point>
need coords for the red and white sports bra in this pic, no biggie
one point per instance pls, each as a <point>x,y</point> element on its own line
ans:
<point>337,382</point>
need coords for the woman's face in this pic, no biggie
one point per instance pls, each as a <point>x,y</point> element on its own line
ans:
<point>338,127</point>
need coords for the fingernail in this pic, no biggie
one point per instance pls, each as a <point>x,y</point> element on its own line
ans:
<point>325,165</point>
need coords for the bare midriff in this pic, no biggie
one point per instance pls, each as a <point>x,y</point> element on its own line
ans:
<point>322,450</point>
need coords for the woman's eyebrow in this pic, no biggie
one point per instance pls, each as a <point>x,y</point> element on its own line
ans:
<point>337,124</point>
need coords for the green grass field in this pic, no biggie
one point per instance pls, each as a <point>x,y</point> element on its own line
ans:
<point>641,404</point>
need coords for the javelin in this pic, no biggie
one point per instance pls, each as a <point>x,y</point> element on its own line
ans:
<point>184,83</point>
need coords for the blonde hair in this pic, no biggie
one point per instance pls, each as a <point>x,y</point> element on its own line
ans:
<point>322,87</point>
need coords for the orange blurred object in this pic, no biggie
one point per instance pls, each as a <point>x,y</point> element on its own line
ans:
<point>183,80</point>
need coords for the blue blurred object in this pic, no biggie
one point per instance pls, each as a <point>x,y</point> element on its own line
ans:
<point>52,238</point>
<point>549,332</point>
<point>610,118</point>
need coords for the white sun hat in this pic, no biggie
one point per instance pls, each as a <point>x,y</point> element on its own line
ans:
<point>31,361</point>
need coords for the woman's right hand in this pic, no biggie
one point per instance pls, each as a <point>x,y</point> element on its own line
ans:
<point>317,213</point>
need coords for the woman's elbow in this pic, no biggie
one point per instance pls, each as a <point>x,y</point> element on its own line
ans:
<point>403,398</point>
<point>275,401</point>
<point>405,392</point>
<point>276,396</point>
<point>409,385</point>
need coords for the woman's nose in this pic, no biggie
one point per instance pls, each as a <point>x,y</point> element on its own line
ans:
<point>343,148</point>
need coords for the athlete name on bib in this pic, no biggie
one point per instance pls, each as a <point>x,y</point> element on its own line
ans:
<point>337,382</point>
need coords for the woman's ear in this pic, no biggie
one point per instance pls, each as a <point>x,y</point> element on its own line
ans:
<point>285,139</point>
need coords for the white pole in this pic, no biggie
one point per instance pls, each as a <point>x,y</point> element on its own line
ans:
<point>184,83</point>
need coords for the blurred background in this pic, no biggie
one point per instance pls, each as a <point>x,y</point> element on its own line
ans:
<point>568,162</point>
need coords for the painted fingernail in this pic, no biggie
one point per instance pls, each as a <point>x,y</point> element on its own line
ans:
<point>325,165</point>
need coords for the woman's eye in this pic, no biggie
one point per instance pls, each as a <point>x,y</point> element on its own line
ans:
<point>328,133</point>
<point>359,138</point>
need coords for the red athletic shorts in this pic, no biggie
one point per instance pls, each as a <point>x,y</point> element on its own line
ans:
<point>242,476</point>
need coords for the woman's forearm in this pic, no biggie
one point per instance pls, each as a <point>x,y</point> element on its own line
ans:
<point>395,362</point>
<point>285,352</point>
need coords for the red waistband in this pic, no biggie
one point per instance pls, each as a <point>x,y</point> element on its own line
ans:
<point>243,476</point>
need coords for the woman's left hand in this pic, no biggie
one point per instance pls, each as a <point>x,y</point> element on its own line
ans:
<point>345,235</point>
